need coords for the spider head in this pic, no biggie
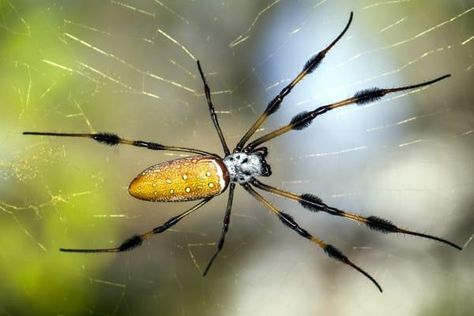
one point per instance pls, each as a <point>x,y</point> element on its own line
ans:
<point>262,153</point>
<point>242,167</point>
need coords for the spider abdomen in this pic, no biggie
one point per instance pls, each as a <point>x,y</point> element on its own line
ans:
<point>178,180</point>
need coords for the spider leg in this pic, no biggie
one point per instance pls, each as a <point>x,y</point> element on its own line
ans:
<point>287,220</point>
<point>225,228</point>
<point>112,139</point>
<point>274,104</point>
<point>304,119</point>
<point>207,91</point>
<point>137,240</point>
<point>315,204</point>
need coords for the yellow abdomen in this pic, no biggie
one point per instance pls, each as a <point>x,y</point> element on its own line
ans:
<point>185,179</point>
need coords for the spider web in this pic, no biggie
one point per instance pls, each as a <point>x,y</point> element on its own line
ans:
<point>129,67</point>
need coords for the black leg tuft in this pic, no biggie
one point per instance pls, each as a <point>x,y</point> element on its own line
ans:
<point>314,62</point>
<point>301,121</point>
<point>311,202</point>
<point>106,138</point>
<point>381,225</point>
<point>369,95</point>
<point>131,243</point>
<point>335,253</point>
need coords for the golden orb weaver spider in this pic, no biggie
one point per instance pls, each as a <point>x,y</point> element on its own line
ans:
<point>206,175</point>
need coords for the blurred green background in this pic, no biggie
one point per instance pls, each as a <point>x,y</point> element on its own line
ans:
<point>128,67</point>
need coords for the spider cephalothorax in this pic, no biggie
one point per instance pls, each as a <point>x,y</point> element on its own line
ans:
<point>206,175</point>
<point>242,167</point>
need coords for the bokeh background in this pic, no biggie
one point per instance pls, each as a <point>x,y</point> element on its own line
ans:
<point>128,67</point>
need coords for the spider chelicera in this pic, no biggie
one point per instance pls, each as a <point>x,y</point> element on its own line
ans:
<point>206,175</point>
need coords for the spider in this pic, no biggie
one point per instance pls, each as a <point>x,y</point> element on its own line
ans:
<point>206,175</point>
